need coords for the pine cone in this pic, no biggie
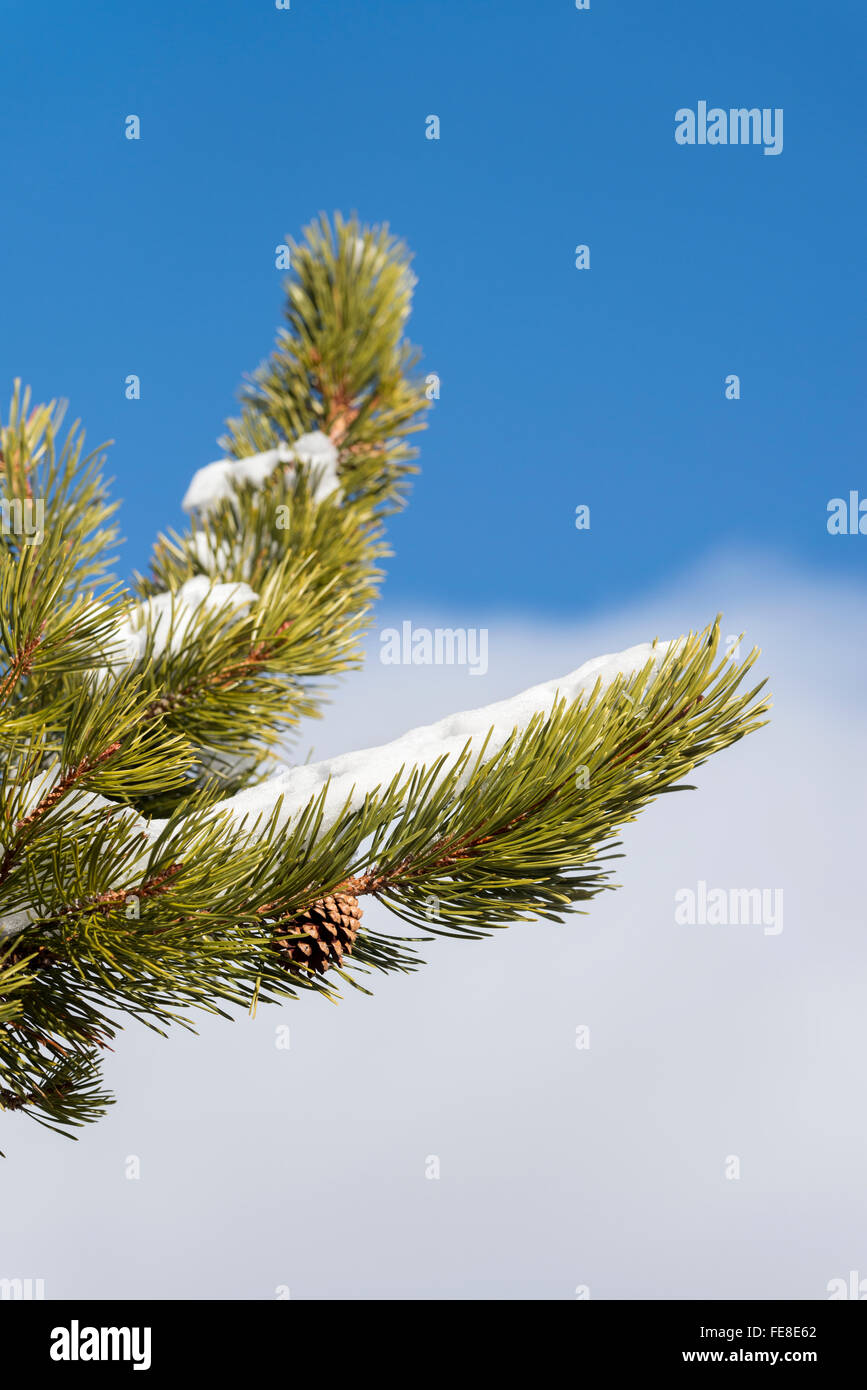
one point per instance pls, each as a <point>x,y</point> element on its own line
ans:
<point>330,926</point>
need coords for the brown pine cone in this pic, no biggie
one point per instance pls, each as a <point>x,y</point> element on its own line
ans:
<point>330,926</point>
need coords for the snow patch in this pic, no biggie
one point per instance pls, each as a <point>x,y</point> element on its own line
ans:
<point>350,777</point>
<point>75,804</point>
<point>216,481</point>
<point>167,618</point>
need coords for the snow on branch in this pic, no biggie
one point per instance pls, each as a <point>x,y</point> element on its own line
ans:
<point>350,777</point>
<point>216,481</point>
<point>51,790</point>
<point>164,621</point>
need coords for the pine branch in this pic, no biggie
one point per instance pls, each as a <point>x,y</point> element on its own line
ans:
<point>151,868</point>
<point>342,368</point>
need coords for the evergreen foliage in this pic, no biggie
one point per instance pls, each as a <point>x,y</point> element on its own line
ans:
<point>126,888</point>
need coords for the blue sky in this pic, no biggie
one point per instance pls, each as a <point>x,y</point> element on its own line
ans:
<point>559,386</point>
